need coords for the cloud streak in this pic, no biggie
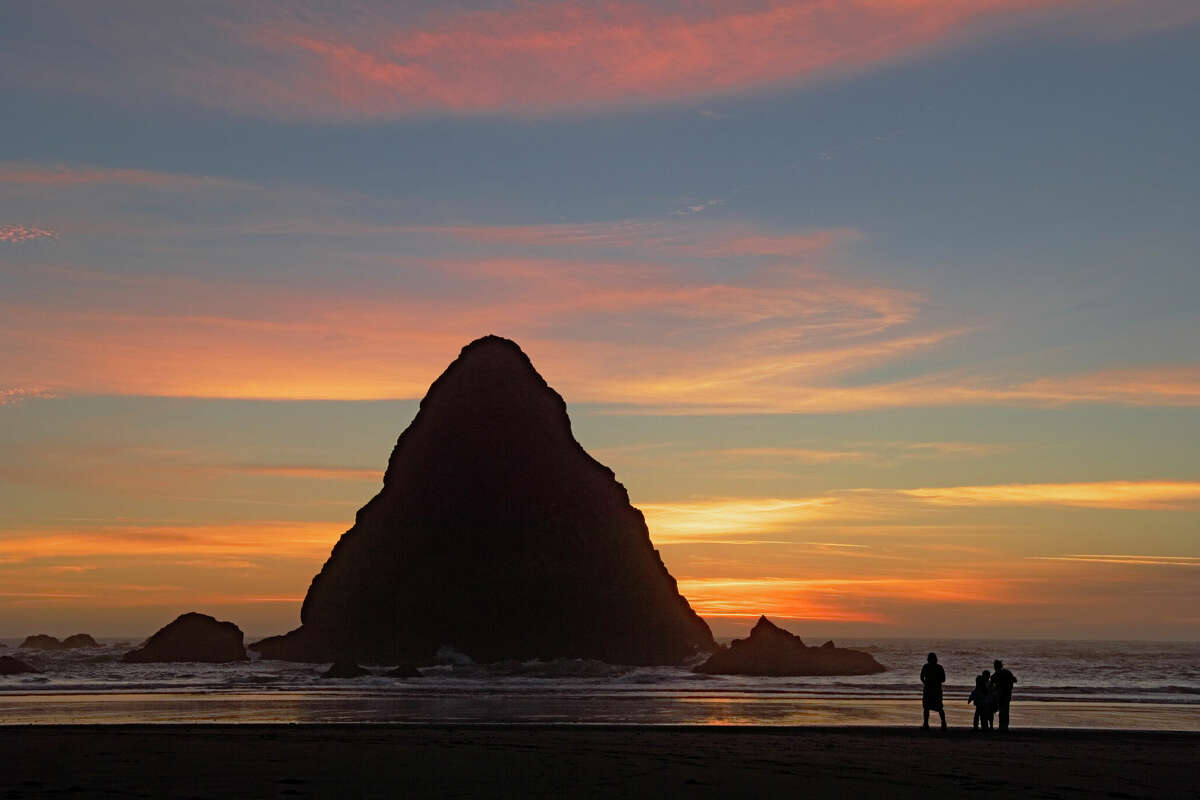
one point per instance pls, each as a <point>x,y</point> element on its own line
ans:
<point>1146,495</point>
<point>720,317</point>
<point>1128,560</point>
<point>368,60</point>
<point>18,234</point>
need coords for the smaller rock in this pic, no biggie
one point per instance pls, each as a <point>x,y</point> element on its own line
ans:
<point>41,641</point>
<point>345,669</point>
<point>770,650</point>
<point>79,640</point>
<point>403,671</point>
<point>11,666</point>
<point>192,637</point>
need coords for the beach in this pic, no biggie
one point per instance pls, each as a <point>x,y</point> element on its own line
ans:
<point>215,761</point>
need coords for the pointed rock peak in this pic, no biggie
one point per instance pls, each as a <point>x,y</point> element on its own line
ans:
<point>496,345</point>
<point>765,628</point>
<point>497,534</point>
<point>491,366</point>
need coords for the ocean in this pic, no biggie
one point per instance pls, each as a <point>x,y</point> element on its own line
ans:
<point>1061,684</point>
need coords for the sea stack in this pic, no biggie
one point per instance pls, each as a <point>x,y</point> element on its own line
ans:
<point>192,637</point>
<point>495,534</point>
<point>41,641</point>
<point>770,650</point>
<point>79,640</point>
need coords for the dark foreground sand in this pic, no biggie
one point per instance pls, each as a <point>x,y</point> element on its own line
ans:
<point>398,761</point>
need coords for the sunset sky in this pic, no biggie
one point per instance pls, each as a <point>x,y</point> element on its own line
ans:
<point>884,311</point>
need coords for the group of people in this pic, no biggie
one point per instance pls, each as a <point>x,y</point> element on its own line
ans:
<point>991,696</point>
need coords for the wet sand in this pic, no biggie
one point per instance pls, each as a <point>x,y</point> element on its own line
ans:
<point>213,761</point>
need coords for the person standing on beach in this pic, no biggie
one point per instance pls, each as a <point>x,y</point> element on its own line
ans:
<point>932,678</point>
<point>1002,686</point>
<point>981,696</point>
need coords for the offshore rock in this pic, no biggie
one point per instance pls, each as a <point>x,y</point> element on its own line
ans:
<point>41,641</point>
<point>192,637</point>
<point>79,640</point>
<point>12,666</point>
<point>770,650</point>
<point>345,669</point>
<point>495,534</point>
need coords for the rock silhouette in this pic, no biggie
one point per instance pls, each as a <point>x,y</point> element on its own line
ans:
<point>13,666</point>
<point>495,533</point>
<point>345,669</point>
<point>770,650</point>
<point>42,641</point>
<point>78,640</point>
<point>192,637</point>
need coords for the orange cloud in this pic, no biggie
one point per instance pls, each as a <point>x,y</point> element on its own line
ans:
<point>293,540</point>
<point>1177,385</point>
<point>777,330</point>
<point>855,599</point>
<point>1128,560</point>
<point>15,394</point>
<point>535,57</point>
<point>721,519</point>
<point>787,334</point>
<point>1163,495</point>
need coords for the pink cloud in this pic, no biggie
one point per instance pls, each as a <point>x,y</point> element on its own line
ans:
<point>570,55</point>
<point>371,59</point>
<point>16,234</point>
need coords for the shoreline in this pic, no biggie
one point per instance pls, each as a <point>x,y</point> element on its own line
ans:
<point>581,706</point>
<point>216,760</point>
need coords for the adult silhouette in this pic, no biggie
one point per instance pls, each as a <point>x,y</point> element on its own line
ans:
<point>1002,685</point>
<point>932,678</point>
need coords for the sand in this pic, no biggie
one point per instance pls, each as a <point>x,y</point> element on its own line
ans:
<point>214,761</point>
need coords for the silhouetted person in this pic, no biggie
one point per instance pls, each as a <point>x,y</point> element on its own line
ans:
<point>981,696</point>
<point>932,678</point>
<point>1002,686</point>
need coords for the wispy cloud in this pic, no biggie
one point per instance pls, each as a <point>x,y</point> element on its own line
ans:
<point>721,519</point>
<point>700,520</point>
<point>371,59</point>
<point>313,471</point>
<point>841,599</point>
<point>1128,560</point>
<point>17,234</point>
<point>302,540</point>
<point>644,237</point>
<point>727,318</point>
<point>10,395</point>
<point>1166,495</point>
<point>1161,385</point>
<point>66,175</point>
